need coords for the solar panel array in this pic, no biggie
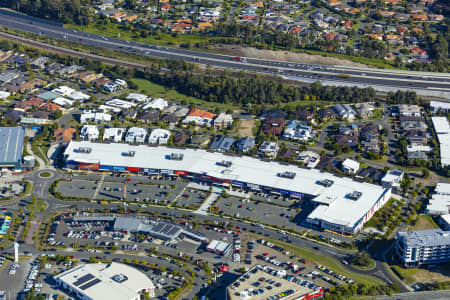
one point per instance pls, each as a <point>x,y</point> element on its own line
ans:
<point>83,279</point>
<point>89,284</point>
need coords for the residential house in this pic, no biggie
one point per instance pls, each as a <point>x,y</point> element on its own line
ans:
<point>344,111</point>
<point>222,143</point>
<point>156,104</point>
<point>180,138</point>
<point>148,117</point>
<point>327,114</point>
<point>199,118</point>
<point>114,134</point>
<point>392,178</point>
<point>137,98</point>
<point>171,119</point>
<point>347,141</point>
<point>31,85</point>
<point>122,104</point>
<point>159,136</point>
<point>295,130</point>
<point>370,173</point>
<point>309,159</point>
<point>416,136</point>
<point>409,110</point>
<point>51,107</point>
<point>40,114</point>
<point>136,135</point>
<point>200,140</point>
<point>350,166</point>
<point>88,76</point>
<point>39,63</point>
<point>8,76</point>
<point>408,123</point>
<point>364,110</point>
<point>369,137</point>
<point>223,120</point>
<point>89,132</point>
<point>114,86</point>
<point>274,126</point>
<point>94,117</point>
<point>63,102</point>
<point>13,115</point>
<point>245,144</point>
<point>268,149</point>
<point>32,102</point>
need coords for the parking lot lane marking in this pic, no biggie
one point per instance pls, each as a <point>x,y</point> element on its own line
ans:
<point>98,186</point>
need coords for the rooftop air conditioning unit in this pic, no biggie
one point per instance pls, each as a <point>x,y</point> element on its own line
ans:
<point>225,163</point>
<point>129,153</point>
<point>84,150</point>
<point>289,175</point>
<point>176,156</point>
<point>355,195</point>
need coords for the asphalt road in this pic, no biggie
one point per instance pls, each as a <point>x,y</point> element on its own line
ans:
<point>378,78</point>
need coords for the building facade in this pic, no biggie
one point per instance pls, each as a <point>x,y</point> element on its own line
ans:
<point>415,248</point>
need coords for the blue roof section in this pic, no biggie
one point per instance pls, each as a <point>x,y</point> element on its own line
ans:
<point>48,96</point>
<point>11,145</point>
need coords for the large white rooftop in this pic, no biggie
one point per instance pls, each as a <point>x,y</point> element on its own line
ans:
<point>107,277</point>
<point>440,201</point>
<point>442,128</point>
<point>342,209</point>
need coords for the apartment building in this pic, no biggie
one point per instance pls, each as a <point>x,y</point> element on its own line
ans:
<point>423,247</point>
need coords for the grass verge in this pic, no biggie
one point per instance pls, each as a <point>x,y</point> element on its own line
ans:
<point>155,90</point>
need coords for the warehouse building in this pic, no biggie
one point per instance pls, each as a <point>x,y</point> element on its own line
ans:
<point>442,129</point>
<point>11,146</point>
<point>423,247</point>
<point>340,204</point>
<point>439,204</point>
<point>100,281</point>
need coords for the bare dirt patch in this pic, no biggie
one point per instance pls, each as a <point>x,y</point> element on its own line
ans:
<point>284,56</point>
<point>246,128</point>
<point>424,223</point>
<point>440,274</point>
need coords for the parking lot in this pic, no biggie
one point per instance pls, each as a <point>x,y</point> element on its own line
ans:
<point>10,189</point>
<point>190,198</point>
<point>101,240</point>
<point>157,192</point>
<point>259,212</point>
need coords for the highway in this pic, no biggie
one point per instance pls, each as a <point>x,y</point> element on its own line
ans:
<point>379,79</point>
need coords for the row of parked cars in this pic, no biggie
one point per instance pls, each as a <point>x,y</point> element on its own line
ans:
<point>338,276</point>
<point>237,249</point>
<point>31,283</point>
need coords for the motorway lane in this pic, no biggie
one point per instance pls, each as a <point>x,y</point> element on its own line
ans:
<point>439,82</point>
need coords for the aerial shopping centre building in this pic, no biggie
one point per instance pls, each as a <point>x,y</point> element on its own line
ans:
<point>341,204</point>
